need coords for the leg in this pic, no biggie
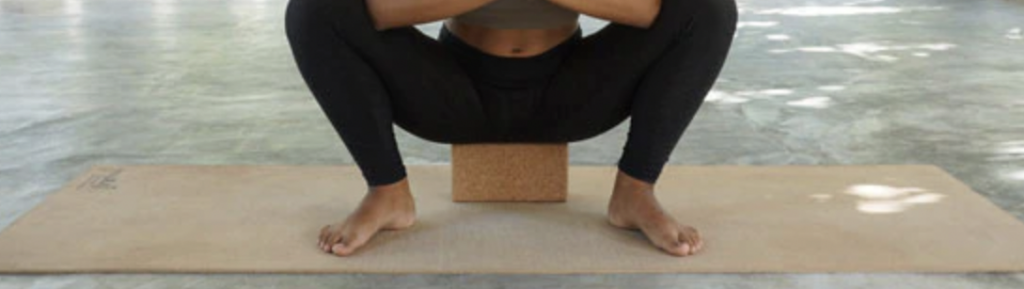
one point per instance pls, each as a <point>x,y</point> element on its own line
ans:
<point>659,76</point>
<point>365,80</point>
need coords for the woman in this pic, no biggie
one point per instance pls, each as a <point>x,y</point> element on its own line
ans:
<point>509,71</point>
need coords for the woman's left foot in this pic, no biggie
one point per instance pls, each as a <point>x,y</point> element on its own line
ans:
<point>633,206</point>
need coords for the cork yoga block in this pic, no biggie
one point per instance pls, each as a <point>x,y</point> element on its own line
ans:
<point>510,172</point>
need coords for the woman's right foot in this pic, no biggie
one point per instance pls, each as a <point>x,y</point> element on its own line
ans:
<point>388,207</point>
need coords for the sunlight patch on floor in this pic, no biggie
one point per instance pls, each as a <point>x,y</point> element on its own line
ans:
<point>884,199</point>
<point>832,88</point>
<point>812,102</point>
<point>760,24</point>
<point>1014,34</point>
<point>817,11</point>
<point>873,51</point>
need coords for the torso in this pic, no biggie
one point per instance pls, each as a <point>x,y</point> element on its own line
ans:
<point>511,42</point>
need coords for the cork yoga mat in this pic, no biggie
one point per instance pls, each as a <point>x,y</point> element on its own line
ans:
<point>265,219</point>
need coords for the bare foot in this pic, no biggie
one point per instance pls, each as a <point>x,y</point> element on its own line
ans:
<point>388,207</point>
<point>633,206</point>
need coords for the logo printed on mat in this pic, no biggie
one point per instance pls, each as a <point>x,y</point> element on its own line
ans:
<point>104,180</point>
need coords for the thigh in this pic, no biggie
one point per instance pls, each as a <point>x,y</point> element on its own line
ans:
<point>593,90</point>
<point>431,96</point>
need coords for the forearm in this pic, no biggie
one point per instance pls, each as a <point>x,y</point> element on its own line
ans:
<point>638,13</point>
<point>395,13</point>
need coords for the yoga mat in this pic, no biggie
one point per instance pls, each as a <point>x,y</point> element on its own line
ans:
<point>265,219</point>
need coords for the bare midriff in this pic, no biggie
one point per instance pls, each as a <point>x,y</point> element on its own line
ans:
<point>510,42</point>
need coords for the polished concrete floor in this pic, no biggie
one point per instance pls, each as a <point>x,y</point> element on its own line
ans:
<point>85,82</point>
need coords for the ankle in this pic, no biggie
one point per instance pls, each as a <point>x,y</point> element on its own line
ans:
<point>627,185</point>
<point>399,187</point>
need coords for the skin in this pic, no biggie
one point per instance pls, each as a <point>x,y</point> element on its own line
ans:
<point>633,204</point>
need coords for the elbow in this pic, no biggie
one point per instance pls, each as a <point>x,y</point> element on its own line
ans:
<point>642,14</point>
<point>381,26</point>
<point>377,15</point>
<point>648,13</point>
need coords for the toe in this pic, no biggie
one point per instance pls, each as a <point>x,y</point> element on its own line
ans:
<point>341,250</point>
<point>350,242</point>
<point>334,237</point>
<point>689,245</point>
<point>324,233</point>
<point>667,238</point>
<point>677,248</point>
<point>690,236</point>
<point>670,243</point>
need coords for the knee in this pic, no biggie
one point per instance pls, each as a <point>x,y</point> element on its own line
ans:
<point>718,15</point>
<point>298,10</point>
<point>299,14</point>
<point>302,15</point>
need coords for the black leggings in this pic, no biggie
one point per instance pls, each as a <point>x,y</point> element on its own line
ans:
<point>450,92</point>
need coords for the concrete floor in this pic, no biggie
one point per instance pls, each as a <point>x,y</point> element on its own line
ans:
<point>808,82</point>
